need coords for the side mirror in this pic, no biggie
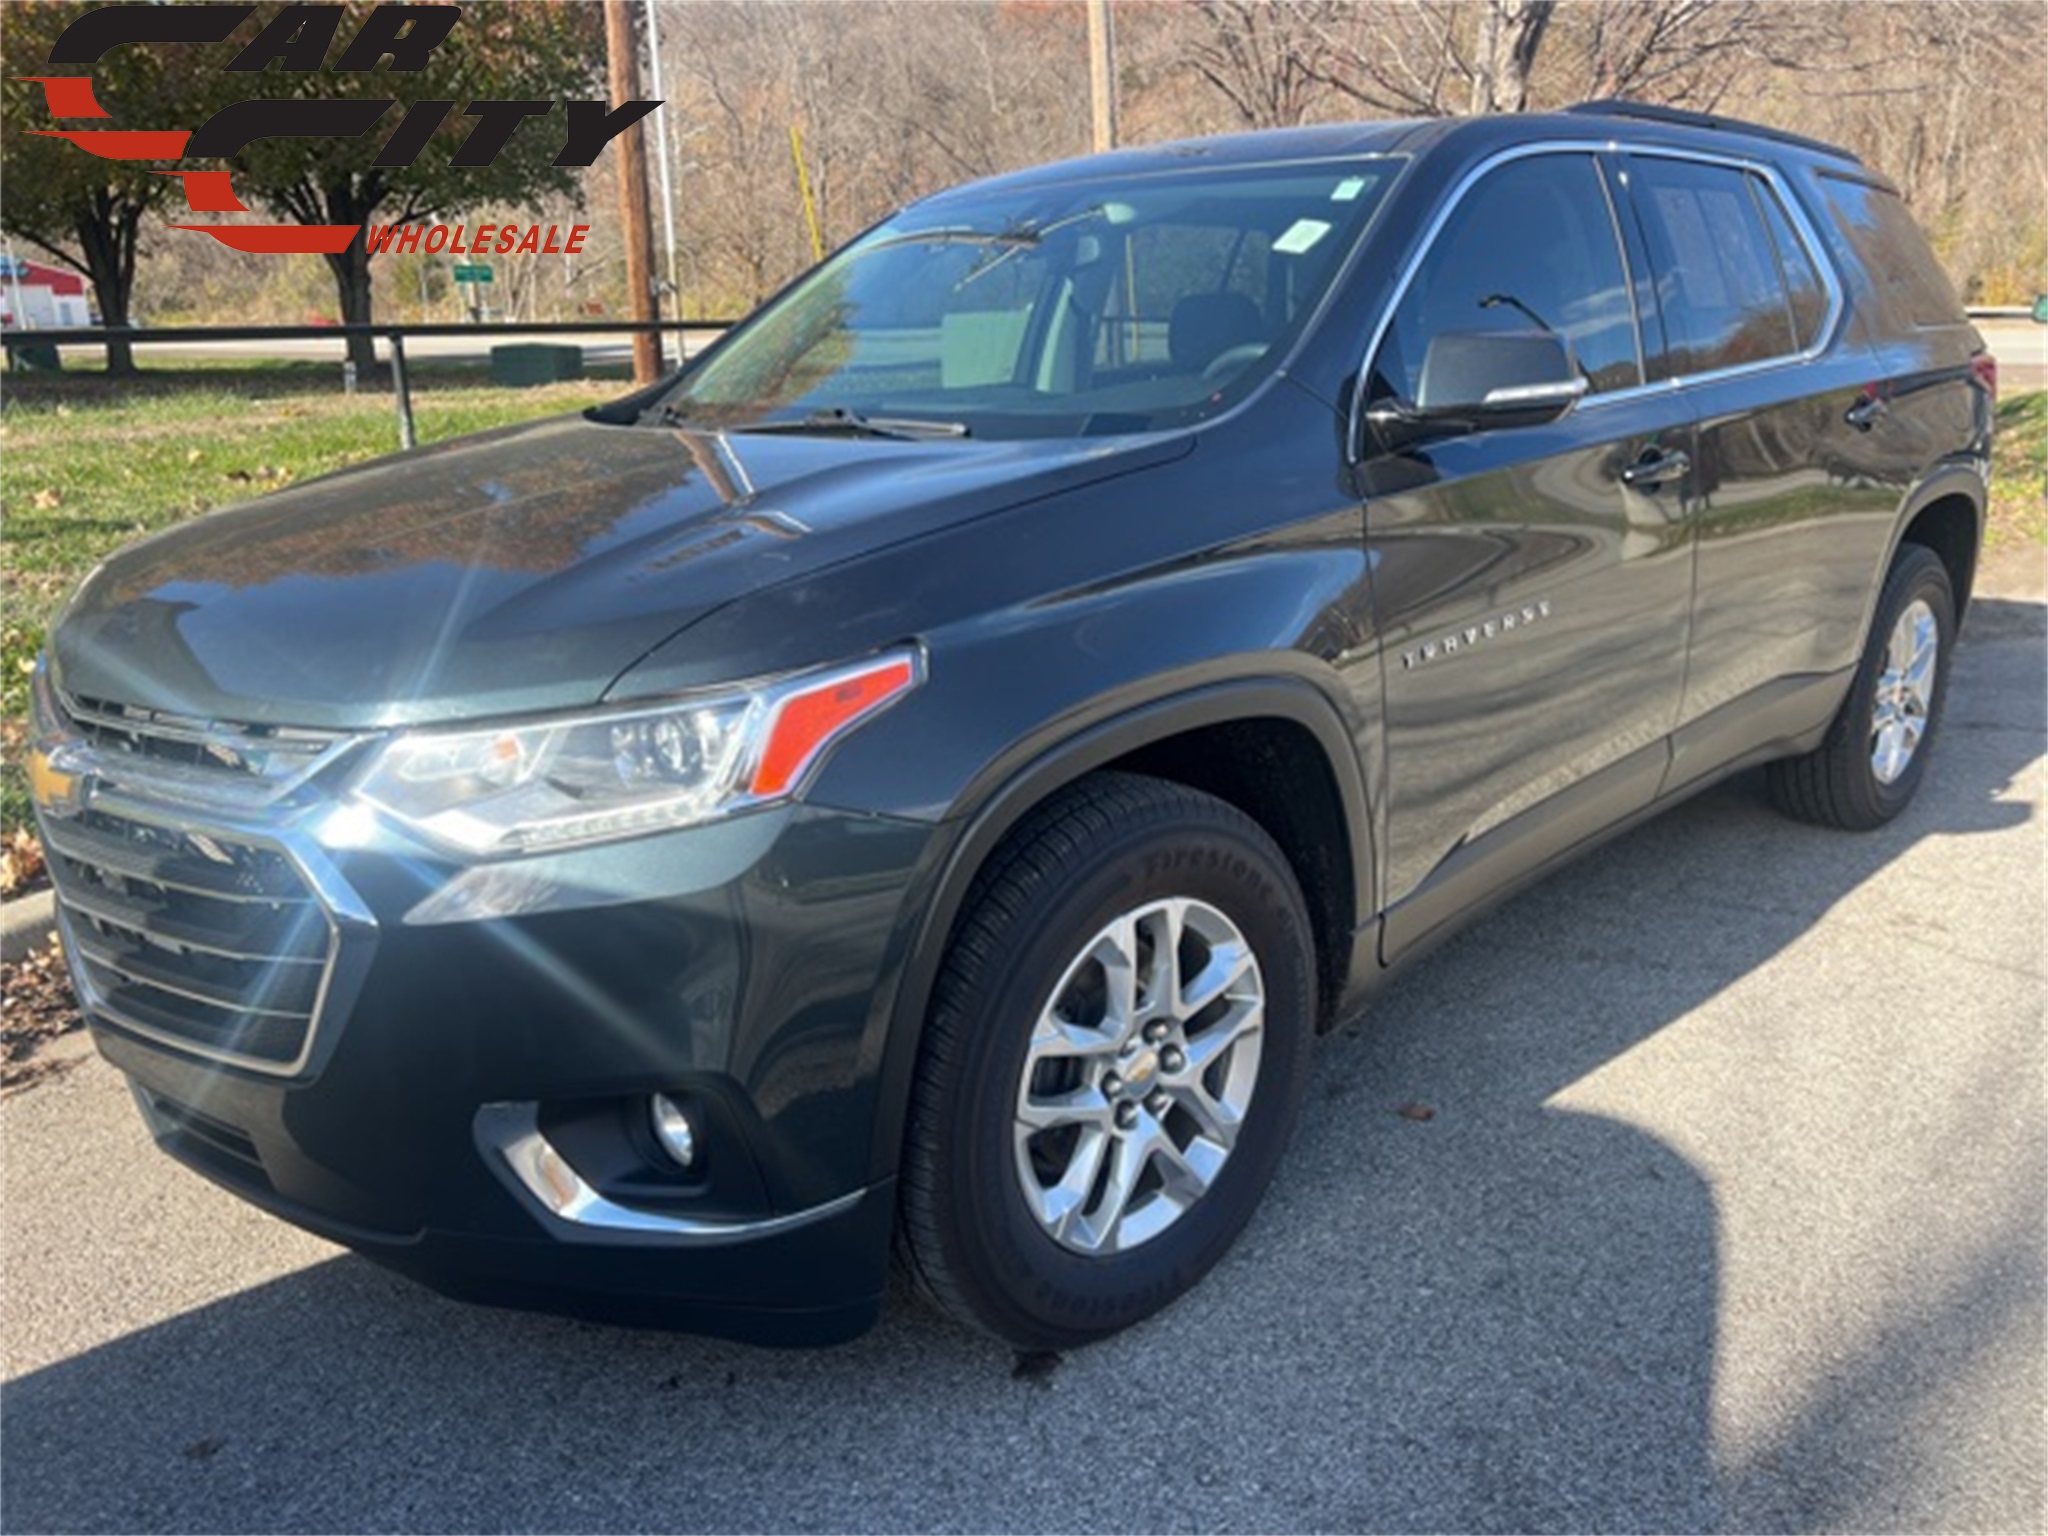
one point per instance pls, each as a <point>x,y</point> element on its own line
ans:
<point>1475,381</point>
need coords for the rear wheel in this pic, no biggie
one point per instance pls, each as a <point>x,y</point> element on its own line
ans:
<point>1114,1059</point>
<point>1866,771</point>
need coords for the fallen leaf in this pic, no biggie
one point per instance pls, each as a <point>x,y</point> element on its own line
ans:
<point>192,455</point>
<point>21,862</point>
<point>45,499</point>
<point>1413,1111</point>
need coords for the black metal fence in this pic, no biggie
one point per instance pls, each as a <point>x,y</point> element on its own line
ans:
<point>393,335</point>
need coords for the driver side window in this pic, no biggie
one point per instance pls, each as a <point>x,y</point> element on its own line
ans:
<point>1531,247</point>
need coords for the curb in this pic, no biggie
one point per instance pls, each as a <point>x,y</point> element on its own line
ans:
<point>26,923</point>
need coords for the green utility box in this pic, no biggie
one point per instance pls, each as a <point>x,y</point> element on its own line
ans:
<point>39,359</point>
<point>535,363</point>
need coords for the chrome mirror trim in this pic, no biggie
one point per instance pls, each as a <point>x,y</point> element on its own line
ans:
<point>1553,392</point>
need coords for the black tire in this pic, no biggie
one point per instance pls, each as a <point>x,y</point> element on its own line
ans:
<point>1837,784</point>
<point>1100,849</point>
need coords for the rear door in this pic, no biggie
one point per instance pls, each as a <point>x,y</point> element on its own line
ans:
<point>1532,585</point>
<point>1792,526</point>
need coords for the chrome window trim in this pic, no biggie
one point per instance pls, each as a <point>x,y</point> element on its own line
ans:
<point>509,1135</point>
<point>1795,213</point>
<point>1794,210</point>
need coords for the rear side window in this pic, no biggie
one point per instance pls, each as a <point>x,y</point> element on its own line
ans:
<point>1911,287</point>
<point>1720,284</point>
<point>1533,245</point>
<point>1804,293</point>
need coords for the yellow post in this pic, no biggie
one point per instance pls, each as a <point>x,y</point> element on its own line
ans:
<point>803,184</point>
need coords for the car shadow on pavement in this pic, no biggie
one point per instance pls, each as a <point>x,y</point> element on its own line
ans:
<point>1466,1305</point>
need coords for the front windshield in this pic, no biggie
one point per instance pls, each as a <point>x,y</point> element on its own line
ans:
<point>1117,305</point>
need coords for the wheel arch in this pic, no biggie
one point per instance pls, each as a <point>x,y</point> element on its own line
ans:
<point>1944,513</point>
<point>1156,737</point>
<point>1950,524</point>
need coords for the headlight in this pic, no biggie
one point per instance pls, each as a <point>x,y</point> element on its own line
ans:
<point>596,776</point>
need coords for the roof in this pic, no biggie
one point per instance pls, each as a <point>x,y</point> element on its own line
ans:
<point>1619,119</point>
<point>32,274</point>
<point>1261,147</point>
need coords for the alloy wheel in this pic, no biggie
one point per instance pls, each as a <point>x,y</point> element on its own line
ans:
<point>1140,1069</point>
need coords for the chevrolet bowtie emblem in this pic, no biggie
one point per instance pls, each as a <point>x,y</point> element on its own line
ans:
<point>54,791</point>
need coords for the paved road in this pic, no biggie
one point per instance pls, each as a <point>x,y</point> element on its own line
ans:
<point>2021,348</point>
<point>1730,1216</point>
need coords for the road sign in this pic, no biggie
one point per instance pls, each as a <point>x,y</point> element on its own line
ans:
<point>472,274</point>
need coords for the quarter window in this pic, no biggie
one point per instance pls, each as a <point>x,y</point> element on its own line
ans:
<point>1910,283</point>
<point>1533,245</point>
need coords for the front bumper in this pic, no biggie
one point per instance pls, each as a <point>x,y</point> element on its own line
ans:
<point>468,1105</point>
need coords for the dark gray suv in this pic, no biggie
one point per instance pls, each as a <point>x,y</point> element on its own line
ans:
<point>923,775</point>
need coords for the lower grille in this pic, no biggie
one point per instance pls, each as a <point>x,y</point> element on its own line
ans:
<point>201,1131</point>
<point>198,939</point>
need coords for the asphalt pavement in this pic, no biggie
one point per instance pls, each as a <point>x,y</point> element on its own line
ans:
<point>1728,1215</point>
<point>2021,347</point>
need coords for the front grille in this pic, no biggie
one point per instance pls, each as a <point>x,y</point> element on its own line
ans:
<point>270,753</point>
<point>197,938</point>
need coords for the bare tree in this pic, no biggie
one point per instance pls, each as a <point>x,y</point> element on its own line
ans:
<point>898,98</point>
<point>1511,34</point>
<point>1430,58</point>
<point>1690,53</point>
<point>1269,58</point>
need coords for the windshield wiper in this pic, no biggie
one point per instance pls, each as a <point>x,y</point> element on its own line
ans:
<point>1021,238</point>
<point>852,423</point>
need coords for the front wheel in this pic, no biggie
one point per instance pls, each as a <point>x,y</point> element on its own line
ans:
<point>1865,772</point>
<point>1114,1059</point>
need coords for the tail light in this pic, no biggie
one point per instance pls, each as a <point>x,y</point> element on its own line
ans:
<point>1985,366</point>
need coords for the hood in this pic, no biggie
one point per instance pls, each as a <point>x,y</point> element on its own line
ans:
<point>519,570</point>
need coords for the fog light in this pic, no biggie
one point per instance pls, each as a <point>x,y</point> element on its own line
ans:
<point>673,1130</point>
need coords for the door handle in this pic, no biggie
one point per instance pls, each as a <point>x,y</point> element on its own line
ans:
<point>1866,413</point>
<point>1654,468</point>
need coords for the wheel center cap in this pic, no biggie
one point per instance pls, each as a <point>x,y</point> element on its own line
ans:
<point>1141,1069</point>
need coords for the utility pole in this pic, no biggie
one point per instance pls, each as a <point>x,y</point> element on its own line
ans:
<point>1102,74</point>
<point>638,227</point>
<point>668,194</point>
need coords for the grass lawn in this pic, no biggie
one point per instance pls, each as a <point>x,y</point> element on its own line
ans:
<point>2019,474</point>
<point>87,465</point>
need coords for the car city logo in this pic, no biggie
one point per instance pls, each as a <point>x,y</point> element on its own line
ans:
<point>297,39</point>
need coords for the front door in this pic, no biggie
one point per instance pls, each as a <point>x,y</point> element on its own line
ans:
<point>1532,585</point>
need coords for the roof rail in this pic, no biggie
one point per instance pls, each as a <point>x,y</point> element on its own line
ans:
<point>1678,117</point>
